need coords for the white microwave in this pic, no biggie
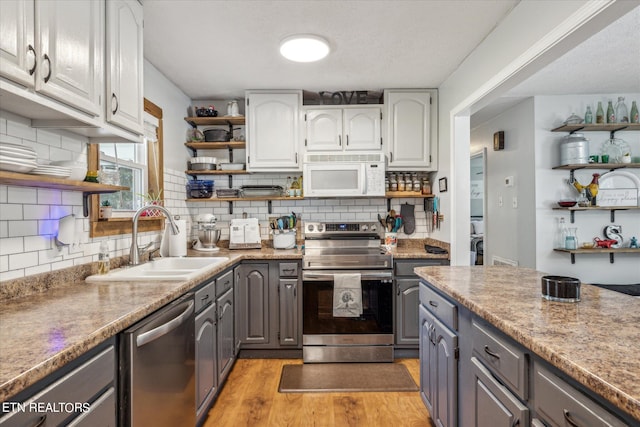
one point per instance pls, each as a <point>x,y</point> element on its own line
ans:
<point>343,174</point>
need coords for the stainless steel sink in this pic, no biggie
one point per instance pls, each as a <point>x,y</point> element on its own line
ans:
<point>177,269</point>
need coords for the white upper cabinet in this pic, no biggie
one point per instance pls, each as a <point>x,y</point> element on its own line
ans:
<point>17,41</point>
<point>124,64</point>
<point>273,130</point>
<point>53,55</point>
<point>70,51</point>
<point>411,129</point>
<point>337,129</point>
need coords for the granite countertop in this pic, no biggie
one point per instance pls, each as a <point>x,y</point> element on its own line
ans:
<point>48,320</point>
<point>594,341</point>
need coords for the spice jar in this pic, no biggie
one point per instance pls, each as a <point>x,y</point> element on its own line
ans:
<point>426,186</point>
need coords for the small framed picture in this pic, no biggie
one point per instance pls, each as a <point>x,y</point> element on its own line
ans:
<point>442,183</point>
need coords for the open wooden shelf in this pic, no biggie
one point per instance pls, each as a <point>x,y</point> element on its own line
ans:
<point>215,145</point>
<point>217,172</point>
<point>597,127</point>
<point>610,166</point>
<point>407,195</point>
<point>26,180</point>
<point>244,199</point>
<point>212,121</point>
<point>610,251</point>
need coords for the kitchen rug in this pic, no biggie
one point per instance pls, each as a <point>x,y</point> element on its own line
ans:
<point>345,377</point>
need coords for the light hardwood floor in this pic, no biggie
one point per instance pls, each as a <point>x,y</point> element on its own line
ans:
<point>250,397</point>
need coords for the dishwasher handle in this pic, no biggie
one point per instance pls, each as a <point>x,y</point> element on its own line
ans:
<point>165,328</point>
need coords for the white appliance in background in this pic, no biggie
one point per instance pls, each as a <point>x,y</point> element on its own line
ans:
<point>244,234</point>
<point>343,174</point>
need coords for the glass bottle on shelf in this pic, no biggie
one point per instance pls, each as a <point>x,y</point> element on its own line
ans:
<point>287,186</point>
<point>571,239</point>
<point>622,113</point>
<point>588,116</point>
<point>295,188</point>
<point>561,235</point>
<point>611,115</point>
<point>599,113</point>
<point>633,117</point>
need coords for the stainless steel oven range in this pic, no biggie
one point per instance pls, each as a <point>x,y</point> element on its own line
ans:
<point>347,289</point>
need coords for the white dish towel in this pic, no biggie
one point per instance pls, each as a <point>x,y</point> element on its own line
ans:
<point>347,295</point>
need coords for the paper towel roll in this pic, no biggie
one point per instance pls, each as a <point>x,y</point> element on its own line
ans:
<point>178,242</point>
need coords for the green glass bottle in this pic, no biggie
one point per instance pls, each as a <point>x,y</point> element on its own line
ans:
<point>599,113</point>
<point>633,116</point>
<point>611,116</point>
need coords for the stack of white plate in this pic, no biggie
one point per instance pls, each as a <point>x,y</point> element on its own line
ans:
<point>52,171</point>
<point>17,158</point>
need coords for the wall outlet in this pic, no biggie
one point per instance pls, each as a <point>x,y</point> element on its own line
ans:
<point>509,181</point>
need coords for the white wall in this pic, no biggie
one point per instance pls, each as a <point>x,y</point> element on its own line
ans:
<point>550,111</point>
<point>510,231</point>
<point>532,35</point>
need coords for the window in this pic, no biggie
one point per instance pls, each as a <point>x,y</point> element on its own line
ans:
<point>139,167</point>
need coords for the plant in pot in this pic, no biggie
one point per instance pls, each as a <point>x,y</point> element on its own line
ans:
<point>106,210</point>
<point>152,199</point>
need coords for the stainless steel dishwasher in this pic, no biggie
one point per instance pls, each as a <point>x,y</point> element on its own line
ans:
<point>158,381</point>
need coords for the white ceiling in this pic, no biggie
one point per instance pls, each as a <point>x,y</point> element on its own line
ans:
<point>217,49</point>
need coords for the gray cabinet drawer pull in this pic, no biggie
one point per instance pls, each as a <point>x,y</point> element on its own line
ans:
<point>491,353</point>
<point>114,98</point>
<point>433,303</point>
<point>569,418</point>
<point>204,298</point>
<point>40,421</point>
<point>288,271</point>
<point>516,422</point>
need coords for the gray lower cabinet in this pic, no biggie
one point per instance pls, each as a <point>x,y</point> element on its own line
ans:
<point>81,393</point>
<point>254,323</point>
<point>206,359</point>
<point>494,405</point>
<point>226,342</point>
<point>438,369</point>
<point>407,300</point>
<point>288,299</point>
<point>268,305</point>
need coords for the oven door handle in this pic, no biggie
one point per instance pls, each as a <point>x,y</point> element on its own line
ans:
<point>310,276</point>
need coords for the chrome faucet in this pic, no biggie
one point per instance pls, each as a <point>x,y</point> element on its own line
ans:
<point>134,252</point>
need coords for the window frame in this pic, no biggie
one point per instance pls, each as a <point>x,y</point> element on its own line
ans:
<point>155,183</point>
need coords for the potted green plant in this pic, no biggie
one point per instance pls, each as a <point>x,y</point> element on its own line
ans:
<point>152,199</point>
<point>105,210</point>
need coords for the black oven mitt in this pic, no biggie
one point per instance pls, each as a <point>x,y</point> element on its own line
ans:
<point>408,218</point>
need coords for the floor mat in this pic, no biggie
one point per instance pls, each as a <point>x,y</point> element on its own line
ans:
<point>345,377</point>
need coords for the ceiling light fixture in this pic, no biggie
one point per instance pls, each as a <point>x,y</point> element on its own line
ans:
<point>304,48</point>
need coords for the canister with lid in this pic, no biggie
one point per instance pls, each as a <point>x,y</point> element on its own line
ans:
<point>574,149</point>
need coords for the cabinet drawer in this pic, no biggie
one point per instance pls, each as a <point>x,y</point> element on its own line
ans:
<point>77,387</point>
<point>559,404</point>
<point>205,296</point>
<point>224,283</point>
<point>102,412</point>
<point>502,357</point>
<point>405,268</point>
<point>495,405</point>
<point>288,269</point>
<point>444,310</point>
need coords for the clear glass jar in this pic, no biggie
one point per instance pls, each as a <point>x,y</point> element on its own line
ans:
<point>426,186</point>
<point>622,113</point>
<point>109,175</point>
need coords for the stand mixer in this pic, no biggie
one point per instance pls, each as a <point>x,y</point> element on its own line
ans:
<point>208,234</point>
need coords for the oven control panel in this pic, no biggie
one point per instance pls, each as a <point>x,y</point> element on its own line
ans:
<point>341,228</point>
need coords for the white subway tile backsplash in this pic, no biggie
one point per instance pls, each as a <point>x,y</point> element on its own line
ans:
<point>3,193</point>
<point>62,264</point>
<point>35,212</point>
<point>10,211</point>
<point>71,198</point>
<point>38,243</point>
<point>4,263</point>
<point>45,268</point>
<point>23,228</point>
<point>11,245</point>
<point>46,137</point>
<point>23,260</point>
<point>48,196</point>
<point>22,195</point>
<point>4,229</point>
<point>21,129</point>
<point>12,274</point>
